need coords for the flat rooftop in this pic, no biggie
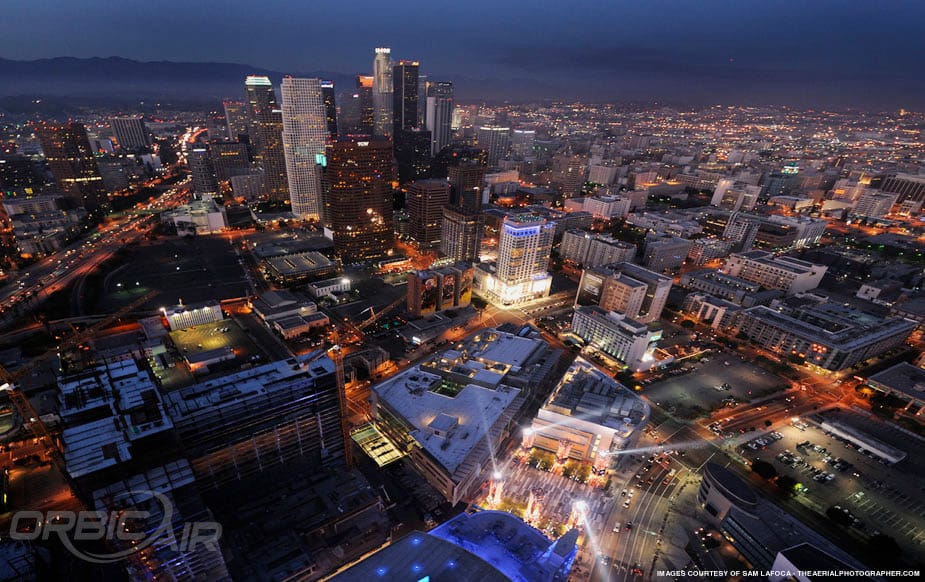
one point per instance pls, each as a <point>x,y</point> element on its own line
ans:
<point>470,411</point>
<point>587,393</point>
<point>904,378</point>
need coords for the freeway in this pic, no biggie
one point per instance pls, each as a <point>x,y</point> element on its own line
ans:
<point>55,272</point>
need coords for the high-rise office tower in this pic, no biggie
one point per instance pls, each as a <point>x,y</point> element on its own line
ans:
<point>495,140</point>
<point>465,168</point>
<point>522,142</point>
<point>67,151</point>
<point>305,132</point>
<point>461,234</point>
<point>412,152</point>
<point>260,104</point>
<point>130,132</point>
<point>425,202</point>
<point>358,197</point>
<point>438,114</point>
<point>382,92</point>
<point>17,172</point>
<point>273,157</point>
<point>404,96</point>
<point>235,119</point>
<point>229,158</point>
<point>365,96</point>
<point>200,163</point>
<point>330,106</point>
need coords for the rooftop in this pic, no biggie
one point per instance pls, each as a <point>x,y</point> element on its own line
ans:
<point>588,394</point>
<point>449,421</point>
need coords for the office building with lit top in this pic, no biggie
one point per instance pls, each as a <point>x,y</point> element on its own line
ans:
<point>588,417</point>
<point>364,96</point>
<point>634,291</point>
<point>496,142</point>
<point>330,107</point>
<point>830,336</point>
<point>451,413</point>
<point>521,271</point>
<point>485,545</point>
<point>626,340</point>
<point>70,158</point>
<point>305,133</point>
<point>425,201</point>
<point>382,92</point>
<point>358,197</point>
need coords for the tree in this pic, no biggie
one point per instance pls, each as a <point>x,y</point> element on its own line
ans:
<point>764,469</point>
<point>688,324</point>
<point>787,485</point>
<point>838,516</point>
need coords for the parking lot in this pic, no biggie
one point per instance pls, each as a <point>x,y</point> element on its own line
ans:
<point>188,269</point>
<point>213,336</point>
<point>883,499</point>
<point>701,388</point>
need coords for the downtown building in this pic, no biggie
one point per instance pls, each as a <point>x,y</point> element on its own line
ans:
<point>305,132</point>
<point>236,121</point>
<point>495,141</point>
<point>461,234</point>
<point>521,271</point>
<point>130,132</point>
<point>625,288</point>
<point>70,158</point>
<point>439,289</point>
<point>425,202</point>
<point>364,97</point>
<point>450,414</point>
<point>628,341</point>
<point>592,250</point>
<point>830,336</point>
<point>265,132</point>
<point>785,273</point>
<point>589,417</point>
<point>358,197</point>
<point>438,113</point>
<point>382,92</point>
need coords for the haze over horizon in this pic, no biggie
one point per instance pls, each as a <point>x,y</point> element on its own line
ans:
<point>823,53</point>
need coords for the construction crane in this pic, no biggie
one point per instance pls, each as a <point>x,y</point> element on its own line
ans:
<point>337,356</point>
<point>20,401</point>
<point>359,328</point>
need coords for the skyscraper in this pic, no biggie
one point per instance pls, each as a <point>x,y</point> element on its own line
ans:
<point>273,158</point>
<point>330,106</point>
<point>465,168</point>
<point>130,132</point>
<point>305,131</point>
<point>382,92</point>
<point>229,158</point>
<point>426,199</point>
<point>365,96</point>
<point>67,151</point>
<point>200,163</point>
<point>495,141</point>
<point>461,234</point>
<point>438,114</point>
<point>358,197</point>
<point>412,152</point>
<point>260,103</point>
<point>235,119</point>
<point>404,96</point>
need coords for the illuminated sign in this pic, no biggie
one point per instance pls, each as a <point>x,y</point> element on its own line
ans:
<point>362,144</point>
<point>321,160</point>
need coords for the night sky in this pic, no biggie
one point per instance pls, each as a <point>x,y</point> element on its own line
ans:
<point>809,52</point>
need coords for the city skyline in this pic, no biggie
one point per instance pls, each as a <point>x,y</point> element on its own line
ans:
<point>778,53</point>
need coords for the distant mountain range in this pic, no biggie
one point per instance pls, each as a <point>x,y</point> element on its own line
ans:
<point>120,78</point>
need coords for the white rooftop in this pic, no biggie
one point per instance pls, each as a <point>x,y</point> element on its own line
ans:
<point>469,415</point>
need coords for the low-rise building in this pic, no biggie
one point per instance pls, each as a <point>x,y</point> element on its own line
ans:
<point>198,217</point>
<point>775,272</point>
<point>830,336</point>
<point>588,417</point>
<point>299,267</point>
<point>184,316</point>
<point>618,336</point>
<point>328,287</point>
<point>733,289</point>
<point>591,249</point>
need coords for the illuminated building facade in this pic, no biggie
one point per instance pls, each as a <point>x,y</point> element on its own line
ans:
<point>520,274</point>
<point>364,88</point>
<point>382,92</point>
<point>305,131</point>
<point>425,202</point>
<point>358,197</point>
<point>438,113</point>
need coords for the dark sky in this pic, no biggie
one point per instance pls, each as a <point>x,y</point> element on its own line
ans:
<point>806,52</point>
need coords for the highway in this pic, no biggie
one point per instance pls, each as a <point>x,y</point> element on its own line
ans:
<point>30,288</point>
